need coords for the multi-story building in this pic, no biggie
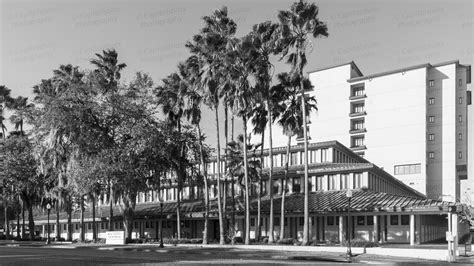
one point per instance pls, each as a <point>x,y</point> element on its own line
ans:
<point>383,209</point>
<point>410,121</point>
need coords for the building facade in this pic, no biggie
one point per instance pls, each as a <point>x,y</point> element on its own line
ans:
<point>412,122</point>
<point>383,209</point>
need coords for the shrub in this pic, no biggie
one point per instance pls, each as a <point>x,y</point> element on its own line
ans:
<point>361,243</point>
<point>238,239</point>
<point>196,241</point>
<point>287,241</point>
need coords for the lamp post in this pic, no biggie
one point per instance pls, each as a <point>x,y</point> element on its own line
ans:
<point>48,206</point>
<point>349,229</point>
<point>161,223</point>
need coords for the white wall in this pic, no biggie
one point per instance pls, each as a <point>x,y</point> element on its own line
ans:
<point>395,123</point>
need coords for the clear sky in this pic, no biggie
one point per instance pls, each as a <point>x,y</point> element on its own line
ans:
<point>37,36</point>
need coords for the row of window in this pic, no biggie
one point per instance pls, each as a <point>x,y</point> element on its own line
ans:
<point>431,83</point>
<point>296,158</point>
<point>360,220</point>
<point>407,169</point>
<point>431,137</point>
<point>431,155</point>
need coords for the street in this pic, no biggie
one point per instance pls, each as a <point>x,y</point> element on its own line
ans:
<point>140,255</point>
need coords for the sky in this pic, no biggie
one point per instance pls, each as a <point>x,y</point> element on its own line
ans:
<point>38,36</point>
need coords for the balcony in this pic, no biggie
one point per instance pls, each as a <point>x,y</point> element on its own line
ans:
<point>357,97</point>
<point>357,131</point>
<point>356,114</point>
<point>358,148</point>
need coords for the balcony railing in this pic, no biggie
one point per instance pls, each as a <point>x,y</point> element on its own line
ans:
<point>356,131</point>
<point>355,114</point>
<point>358,148</point>
<point>356,97</point>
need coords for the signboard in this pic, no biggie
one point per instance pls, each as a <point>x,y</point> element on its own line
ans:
<point>115,238</point>
<point>449,236</point>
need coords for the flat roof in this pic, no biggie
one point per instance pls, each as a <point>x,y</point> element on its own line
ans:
<point>352,63</point>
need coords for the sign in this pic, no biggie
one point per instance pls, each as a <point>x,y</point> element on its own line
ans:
<point>449,236</point>
<point>468,247</point>
<point>115,238</point>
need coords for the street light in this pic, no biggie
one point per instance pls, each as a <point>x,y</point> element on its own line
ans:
<point>48,206</point>
<point>161,222</point>
<point>349,252</point>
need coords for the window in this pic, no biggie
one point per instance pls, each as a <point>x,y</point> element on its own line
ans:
<point>431,83</point>
<point>147,224</point>
<point>89,226</point>
<point>431,101</point>
<point>358,141</point>
<point>101,225</point>
<point>301,221</point>
<point>106,226</point>
<point>370,220</point>
<point>431,119</point>
<point>286,221</point>
<point>345,181</point>
<point>359,91</point>
<point>358,124</point>
<point>460,136</point>
<point>460,100</point>
<point>337,220</point>
<point>407,169</point>
<point>324,155</point>
<point>296,185</point>
<point>277,221</point>
<point>431,155</point>
<point>252,221</point>
<point>136,224</point>
<point>275,187</point>
<point>332,182</point>
<point>319,182</point>
<point>360,220</point>
<point>358,108</point>
<point>163,224</point>
<point>65,227</point>
<point>431,137</point>
<point>330,220</point>
<point>357,180</point>
<point>405,220</point>
<point>121,225</point>
<point>186,223</point>
<point>152,225</point>
<point>460,118</point>
<point>393,219</point>
<point>460,82</point>
<point>77,226</point>
<point>460,155</point>
<point>294,158</point>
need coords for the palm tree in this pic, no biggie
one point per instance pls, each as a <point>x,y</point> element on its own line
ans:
<point>170,97</point>
<point>291,120</point>
<point>264,38</point>
<point>241,61</point>
<point>190,73</point>
<point>20,106</point>
<point>210,45</point>
<point>108,70</point>
<point>298,25</point>
<point>4,100</point>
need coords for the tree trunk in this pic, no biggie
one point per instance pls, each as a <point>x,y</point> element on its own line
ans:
<point>271,237</point>
<point>178,212</point>
<point>23,235</point>
<point>69,218</point>
<point>31,221</point>
<point>224,196</point>
<point>206,190</point>
<point>94,229</point>
<point>111,207</point>
<point>219,203</point>
<point>246,177</point>
<point>7,222</point>
<point>129,204</point>
<point>18,225</point>
<point>305,182</point>
<point>82,236</point>
<point>283,190</point>
<point>58,225</point>
<point>260,191</point>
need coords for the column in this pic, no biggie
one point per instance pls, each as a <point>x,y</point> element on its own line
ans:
<point>375,237</point>
<point>341,229</point>
<point>412,229</point>
<point>454,223</point>
<point>418,229</point>
<point>382,227</point>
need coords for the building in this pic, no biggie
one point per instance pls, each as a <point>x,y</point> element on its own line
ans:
<point>412,121</point>
<point>383,208</point>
